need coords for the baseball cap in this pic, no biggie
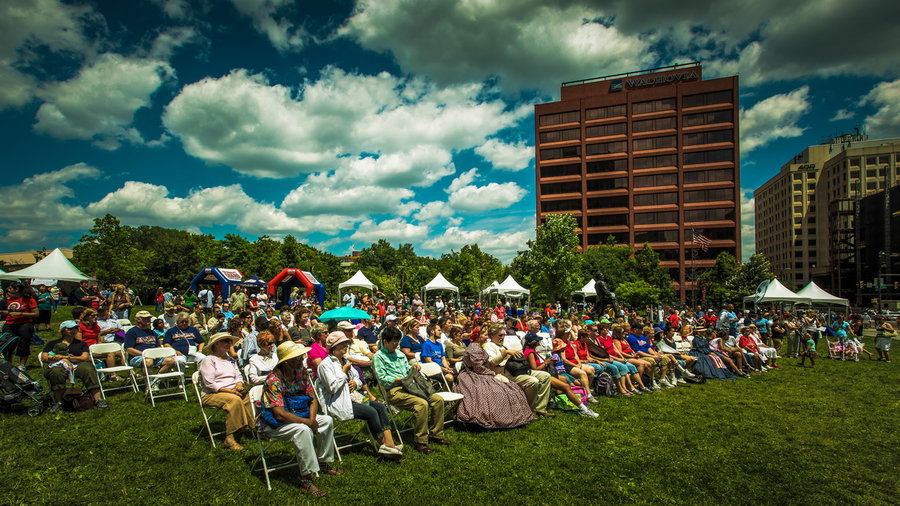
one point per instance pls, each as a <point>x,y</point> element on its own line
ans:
<point>390,317</point>
<point>68,324</point>
<point>143,314</point>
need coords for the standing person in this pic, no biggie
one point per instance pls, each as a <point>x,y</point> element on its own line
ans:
<point>238,299</point>
<point>45,308</point>
<point>349,298</point>
<point>205,300</point>
<point>160,299</point>
<point>809,350</point>
<point>884,335</point>
<point>21,311</point>
<point>290,411</point>
<point>82,295</point>
<point>120,302</point>
<point>54,296</point>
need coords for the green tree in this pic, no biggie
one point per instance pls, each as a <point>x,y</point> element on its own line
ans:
<point>552,263</point>
<point>645,265</point>
<point>470,269</point>
<point>637,294</point>
<point>611,260</point>
<point>716,282</point>
<point>109,253</point>
<point>749,275</point>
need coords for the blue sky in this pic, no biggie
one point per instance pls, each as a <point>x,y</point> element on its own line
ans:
<point>347,122</point>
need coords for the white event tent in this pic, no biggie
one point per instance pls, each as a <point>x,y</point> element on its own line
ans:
<point>773,291</point>
<point>818,296</point>
<point>438,283</point>
<point>490,287</point>
<point>53,266</point>
<point>358,280</point>
<point>587,290</point>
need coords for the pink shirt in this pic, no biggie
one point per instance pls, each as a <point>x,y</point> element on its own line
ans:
<point>217,374</point>
<point>316,351</point>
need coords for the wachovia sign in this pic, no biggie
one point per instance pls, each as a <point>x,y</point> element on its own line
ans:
<point>641,82</point>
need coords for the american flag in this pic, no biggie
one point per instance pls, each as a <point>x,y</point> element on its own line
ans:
<point>702,241</point>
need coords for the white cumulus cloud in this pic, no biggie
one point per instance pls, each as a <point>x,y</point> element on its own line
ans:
<point>886,121</point>
<point>272,18</point>
<point>395,230</point>
<point>748,224</point>
<point>503,156</point>
<point>503,245</point>
<point>774,118</point>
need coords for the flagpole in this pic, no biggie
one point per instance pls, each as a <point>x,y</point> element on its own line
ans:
<point>693,268</point>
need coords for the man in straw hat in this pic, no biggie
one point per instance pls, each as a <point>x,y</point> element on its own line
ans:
<point>291,412</point>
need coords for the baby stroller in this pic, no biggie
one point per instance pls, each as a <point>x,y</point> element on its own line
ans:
<point>15,385</point>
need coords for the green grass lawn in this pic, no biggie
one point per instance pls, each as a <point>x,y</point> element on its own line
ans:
<point>794,435</point>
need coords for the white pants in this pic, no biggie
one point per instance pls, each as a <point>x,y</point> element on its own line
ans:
<point>309,452</point>
<point>767,353</point>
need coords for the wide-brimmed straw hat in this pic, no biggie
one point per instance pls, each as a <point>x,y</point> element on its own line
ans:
<point>219,337</point>
<point>289,349</point>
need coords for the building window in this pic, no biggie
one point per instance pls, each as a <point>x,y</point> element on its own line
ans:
<point>718,155</point>
<point>871,173</point>
<point>649,125</point>
<point>612,111</point>
<point>716,234</point>
<point>656,218</point>
<point>607,220</point>
<point>668,141</point>
<point>571,134</point>
<point>721,194</point>
<point>798,254</point>
<point>607,166</point>
<point>557,153</point>
<point>870,160</point>
<point>656,236</point>
<point>715,97</point>
<point>651,162</point>
<point>721,214</point>
<point>810,242</point>
<point>555,188</point>
<point>656,180</point>
<point>708,118</point>
<point>560,118</point>
<point>854,162</point>
<point>603,237</point>
<point>665,104</point>
<point>616,183</point>
<point>708,137</point>
<point>798,265</point>
<point>708,176</point>
<point>607,202</point>
<point>549,206</point>
<point>656,199</point>
<point>883,160</point>
<point>605,148</point>
<point>569,169</point>
<point>670,255</point>
<point>606,130</point>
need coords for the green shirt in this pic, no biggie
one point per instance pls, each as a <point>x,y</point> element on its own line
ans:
<point>390,366</point>
<point>812,345</point>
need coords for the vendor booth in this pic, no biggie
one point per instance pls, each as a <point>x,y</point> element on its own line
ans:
<point>288,279</point>
<point>223,280</point>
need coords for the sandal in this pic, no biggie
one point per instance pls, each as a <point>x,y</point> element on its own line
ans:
<point>310,488</point>
<point>327,469</point>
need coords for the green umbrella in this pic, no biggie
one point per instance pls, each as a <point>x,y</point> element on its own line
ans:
<point>344,313</point>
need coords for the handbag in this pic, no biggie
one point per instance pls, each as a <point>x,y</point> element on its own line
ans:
<point>517,366</point>
<point>296,405</point>
<point>416,384</point>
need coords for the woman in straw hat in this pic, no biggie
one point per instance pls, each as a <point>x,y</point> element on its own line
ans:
<point>290,412</point>
<point>223,387</point>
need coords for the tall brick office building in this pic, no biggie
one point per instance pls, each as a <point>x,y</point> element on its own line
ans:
<point>645,157</point>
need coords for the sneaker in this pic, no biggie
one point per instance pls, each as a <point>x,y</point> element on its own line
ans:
<point>656,387</point>
<point>646,390</point>
<point>102,404</point>
<point>586,411</point>
<point>21,368</point>
<point>664,383</point>
<point>688,374</point>
<point>387,450</point>
<point>55,408</point>
<point>636,392</point>
<point>681,380</point>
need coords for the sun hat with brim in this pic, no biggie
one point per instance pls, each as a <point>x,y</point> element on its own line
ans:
<point>390,317</point>
<point>336,338</point>
<point>143,314</point>
<point>408,321</point>
<point>289,349</point>
<point>558,344</point>
<point>219,337</point>
<point>68,324</point>
<point>605,321</point>
<point>345,325</point>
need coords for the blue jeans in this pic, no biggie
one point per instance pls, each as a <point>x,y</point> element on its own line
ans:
<point>617,369</point>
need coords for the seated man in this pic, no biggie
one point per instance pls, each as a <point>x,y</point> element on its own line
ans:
<point>75,361</point>
<point>181,337</point>
<point>140,338</point>
<point>354,357</point>
<point>391,366</point>
<point>644,348</point>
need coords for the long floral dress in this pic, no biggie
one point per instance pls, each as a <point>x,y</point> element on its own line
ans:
<point>489,402</point>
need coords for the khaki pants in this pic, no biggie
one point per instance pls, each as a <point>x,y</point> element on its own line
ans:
<point>421,408</point>
<point>536,385</point>
<point>238,412</point>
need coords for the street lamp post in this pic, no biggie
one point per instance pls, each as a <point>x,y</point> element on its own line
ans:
<point>882,258</point>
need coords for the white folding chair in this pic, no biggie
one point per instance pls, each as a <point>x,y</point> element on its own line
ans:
<point>125,322</point>
<point>394,413</point>
<point>104,349</point>
<point>351,436</point>
<point>157,353</point>
<point>433,372</point>
<point>265,442</point>
<point>195,379</point>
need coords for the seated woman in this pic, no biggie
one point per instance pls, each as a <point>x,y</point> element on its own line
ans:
<point>290,411</point>
<point>491,400</point>
<point>412,342</point>
<point>709,365</point>
<point>583,373</point>
<point>454,348</point>
<point>343,397</point>
<point>223,388</point>
<point>614,346</point>
<point>262,362</point>
<point>317,351</point>
<point>433,351</point>
<point>597,354</point>
<point>557,383</point>
<point>77,365</point>
<point>724,356</point>
<point>720,344</point>
<point>746,343</point>
<point>665,343</point>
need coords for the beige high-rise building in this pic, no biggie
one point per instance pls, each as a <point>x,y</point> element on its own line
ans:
<point>805,214</point>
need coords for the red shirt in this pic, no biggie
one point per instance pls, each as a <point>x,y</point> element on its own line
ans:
<point>20,305</point>
<point>90,335</point>
<point>674,320</point>
<point>747,342</point>
<point>710,320</point>
<point>570,352</point>
<point>582,349</point>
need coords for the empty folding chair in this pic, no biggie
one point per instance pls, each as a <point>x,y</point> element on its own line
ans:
<point>195,379</point>
<point>104,349</point>
<point>177,374</point>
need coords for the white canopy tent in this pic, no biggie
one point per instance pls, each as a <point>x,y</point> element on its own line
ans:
<point>490,287</point>
<point>53,266</point>
<point>587,290</point>
<point>438,283</point>
<point>358,280</point>
<point>818,296</point>
<point>773,291</point>
<point>510,288</point>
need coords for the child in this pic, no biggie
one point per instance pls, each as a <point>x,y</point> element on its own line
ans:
<point>63,349</point>
<point>809,351</point>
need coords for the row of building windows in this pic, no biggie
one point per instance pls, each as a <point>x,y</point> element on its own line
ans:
<point>668,179</point>
<point>618,110</point>
<point>574,134</point>
<point>606,148</point>
<point>649,199</point>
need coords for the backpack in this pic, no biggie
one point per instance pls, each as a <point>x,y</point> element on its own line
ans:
<point>74,399</point>
<point>605,384</point>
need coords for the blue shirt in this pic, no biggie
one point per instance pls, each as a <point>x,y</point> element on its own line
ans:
<point>763,325</point>
<point>841,330</point>
<point>141,339</point>
<point>367,335</point>
<point>182,340</point>
<point>433,350</point>
<point>639,343</point>
<point>414,345</point>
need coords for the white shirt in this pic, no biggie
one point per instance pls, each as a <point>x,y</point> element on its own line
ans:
<point>333,384</point>
<point>260,366</point>
<point>106,325</point>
